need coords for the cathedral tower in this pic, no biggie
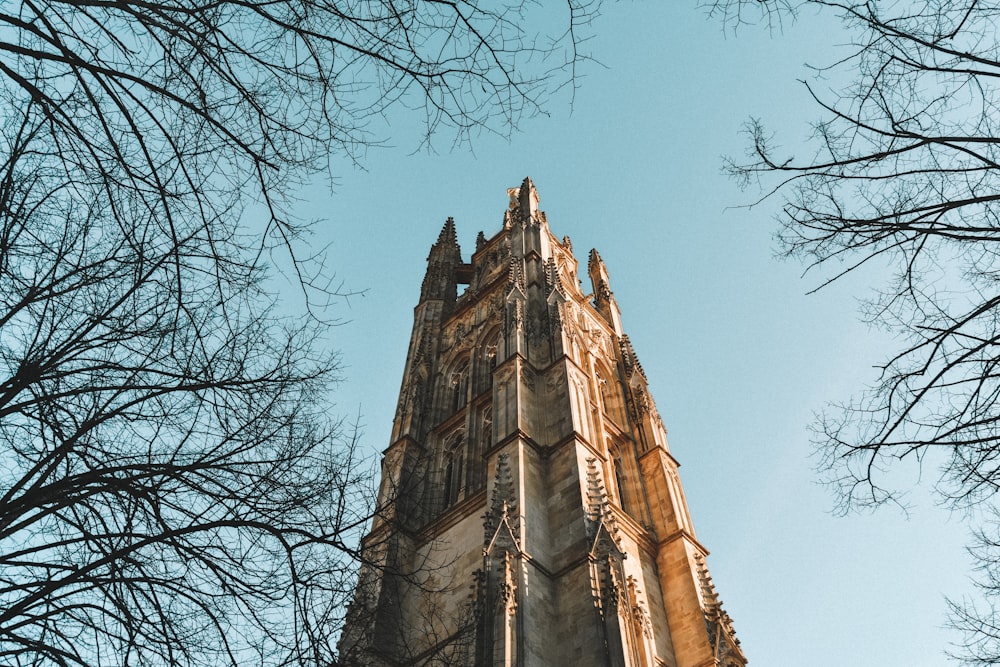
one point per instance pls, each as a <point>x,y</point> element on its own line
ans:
<point>530,512</point>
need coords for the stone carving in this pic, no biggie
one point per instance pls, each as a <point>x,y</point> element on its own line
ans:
<point>629,360</point>
<point>496,584</point>
<point>640,617</point>
<point>718,623</point>
<point>504,502</point>
<point>601,524</point>
<point>507,589</point>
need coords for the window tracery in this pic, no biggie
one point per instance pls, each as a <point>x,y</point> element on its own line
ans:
<point>610,395</point>
<point>459,387</point>
<point>454,469</point>
<point>487,361</point>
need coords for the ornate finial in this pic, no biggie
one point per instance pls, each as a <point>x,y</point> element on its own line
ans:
<point>553,281</point>
<point>480,240</point>
<point>447,235</point>
<point>507,593</point>
<point>600,519</point>
<point>523,201</point>
<point>629,359</point>
<point>500,522</point>
<point>594,260</point>
<point>597,497</point>
<point>719,624</point>
<point>598,277</point>
<point>504,500</point>
<point>445,255</point>
<point>515,274</point>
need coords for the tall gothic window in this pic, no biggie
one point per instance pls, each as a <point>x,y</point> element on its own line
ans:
<point>487,362</point>
<point>449,473</point>
<point>608,389</point>
<point>459,386</point>
<point>487,426</point>
<point>618,472</point>
<point>454,470</point>
<point>491,361</point>
<point>479,443</point>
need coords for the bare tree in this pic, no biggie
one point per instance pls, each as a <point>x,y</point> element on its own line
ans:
<point>906,172</point>
<point>173,489</point>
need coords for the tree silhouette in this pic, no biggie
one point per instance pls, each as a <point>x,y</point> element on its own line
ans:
<point>173,489</point>
<point>907,172</point>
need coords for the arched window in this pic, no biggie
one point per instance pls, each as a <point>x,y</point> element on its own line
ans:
<point>618,473</point>
<point>449,474</point>
<point>491,361</point>
<point>607,385</point>
<point>459,386</point>
<point>487,429</point>
<point>454,470</point>
<point>487,361</point>
<point>623,475</point>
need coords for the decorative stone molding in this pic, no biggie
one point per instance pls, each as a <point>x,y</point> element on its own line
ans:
<point>721,634</point>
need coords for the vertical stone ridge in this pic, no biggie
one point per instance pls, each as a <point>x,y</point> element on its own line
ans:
<point>515,275</point>
<point>504,499</point>
<point>604,298</point>
<point>553,281</point>
<point>721,634</point>
<point>497,584</point>
<point>629,358</point>
<point>597,496</point>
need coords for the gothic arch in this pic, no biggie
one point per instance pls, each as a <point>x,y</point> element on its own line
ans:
<point>455,385</point>
<point>624,474</point>
<point>620,473</point>
<point>454,476</point>
<point>609,393</point>
<point>487,356</point>
<point>480,441</point>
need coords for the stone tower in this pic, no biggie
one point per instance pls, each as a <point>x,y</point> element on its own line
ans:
<point>530,512</point>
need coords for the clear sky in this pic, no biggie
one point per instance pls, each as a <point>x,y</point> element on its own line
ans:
<point>738,356</point>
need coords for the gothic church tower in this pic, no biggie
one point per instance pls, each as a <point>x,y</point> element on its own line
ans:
<point>530,512</point>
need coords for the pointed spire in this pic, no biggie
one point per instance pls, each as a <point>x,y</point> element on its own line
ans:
<point>594,260</point>
<point>445,256</point>
<point>515,275</point>
<point>604,299</point>
<point>523,202</point>
<point>601,520</point>
<point>599,277</point>
<point>717,620</point>
<point>503,506</point>
<point>447,235</point>
<point>529,199</point>
<point>504,499</point>
<point>553,281</point>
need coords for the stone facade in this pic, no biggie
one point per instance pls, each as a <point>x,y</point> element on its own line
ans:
<point>530,512</point>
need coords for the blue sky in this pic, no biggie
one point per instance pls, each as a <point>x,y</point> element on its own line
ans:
<point>738,356</point>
